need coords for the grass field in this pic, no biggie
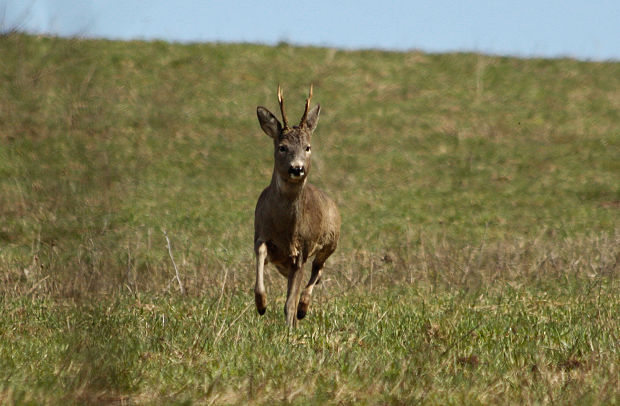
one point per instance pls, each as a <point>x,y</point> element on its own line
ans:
<point>480,249</point>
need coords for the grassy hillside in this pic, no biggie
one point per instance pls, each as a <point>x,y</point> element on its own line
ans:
<point>480,249</point>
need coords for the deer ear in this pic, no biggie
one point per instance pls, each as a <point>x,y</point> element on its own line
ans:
<point>313,118</point>
<point>268,122</point>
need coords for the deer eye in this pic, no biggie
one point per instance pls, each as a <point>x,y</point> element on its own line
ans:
<point>282,148</point>
<point>308,148</point>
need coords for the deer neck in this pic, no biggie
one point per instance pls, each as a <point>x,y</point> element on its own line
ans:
<point>289,198</point>
<point>288,191</point>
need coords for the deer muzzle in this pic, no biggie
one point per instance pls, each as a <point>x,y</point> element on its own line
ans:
<point>296,171</point>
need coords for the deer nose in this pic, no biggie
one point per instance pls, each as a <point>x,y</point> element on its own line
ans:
<point>296,170</point>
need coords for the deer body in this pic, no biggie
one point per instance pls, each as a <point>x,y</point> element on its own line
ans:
<point>294,220</point>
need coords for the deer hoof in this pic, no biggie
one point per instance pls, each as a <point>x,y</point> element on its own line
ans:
<point>302,310</point>
<point>261,303</point>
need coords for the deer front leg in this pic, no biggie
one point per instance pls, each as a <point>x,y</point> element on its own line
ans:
<point>259,289</point>
<point>293,291</point>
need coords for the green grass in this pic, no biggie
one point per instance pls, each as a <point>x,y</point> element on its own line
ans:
<point>504,344</point>
<point>480,248</point>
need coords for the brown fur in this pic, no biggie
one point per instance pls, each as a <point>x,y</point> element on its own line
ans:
<point>294,220</point>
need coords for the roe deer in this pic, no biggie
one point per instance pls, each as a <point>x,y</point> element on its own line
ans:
<point>294,220</point>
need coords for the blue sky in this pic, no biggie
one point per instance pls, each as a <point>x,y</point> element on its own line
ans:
<point>587,30</point>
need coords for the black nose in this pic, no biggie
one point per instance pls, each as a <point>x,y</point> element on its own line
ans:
<point>296,170</point>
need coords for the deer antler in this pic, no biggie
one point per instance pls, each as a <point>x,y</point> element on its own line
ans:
<point>302,123</point>
<point>281,101</point>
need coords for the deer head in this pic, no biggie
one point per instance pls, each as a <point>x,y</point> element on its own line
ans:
<point>292,148</point>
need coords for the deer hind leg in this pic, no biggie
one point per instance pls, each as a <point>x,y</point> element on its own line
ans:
<point>315,278</point>
<point>259,289</point>
<point>306,295</point>
<point>293,292</point>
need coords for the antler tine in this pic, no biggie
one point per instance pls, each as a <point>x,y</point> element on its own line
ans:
<point>302,123</point>
<point>281,101</point>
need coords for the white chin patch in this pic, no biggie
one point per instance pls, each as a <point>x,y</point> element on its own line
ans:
<point>294,176</point>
